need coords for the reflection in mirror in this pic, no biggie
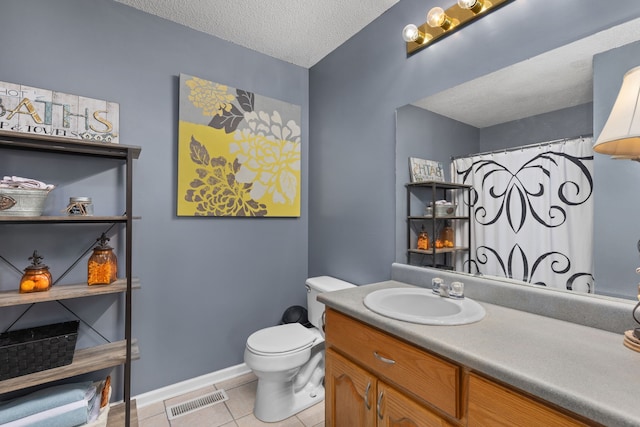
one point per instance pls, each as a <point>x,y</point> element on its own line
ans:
<point>546,98</point>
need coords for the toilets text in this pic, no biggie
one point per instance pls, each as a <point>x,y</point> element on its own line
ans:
<point>32,110</point>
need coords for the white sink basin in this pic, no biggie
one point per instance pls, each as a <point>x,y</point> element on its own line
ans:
<point>420,305</point>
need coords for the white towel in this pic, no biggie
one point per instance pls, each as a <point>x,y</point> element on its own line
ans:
<point>19,182</point>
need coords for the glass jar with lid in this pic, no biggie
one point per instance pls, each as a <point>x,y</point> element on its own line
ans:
<point>423,239</point>
<point>36,277</point>
<point>102,268</point>
<point>447,235</point>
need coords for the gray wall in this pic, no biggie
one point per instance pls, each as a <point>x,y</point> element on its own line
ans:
<point>355,90</point>
<point>207,282</point>
<point>426,135</point>
<point>616,195</point>
<point>566,123</point>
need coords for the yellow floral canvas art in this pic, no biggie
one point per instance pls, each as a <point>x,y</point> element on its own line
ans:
<point>238,152</point>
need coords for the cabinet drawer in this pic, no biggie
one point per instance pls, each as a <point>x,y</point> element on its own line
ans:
<point>493,405</point>
<point>422,374</point>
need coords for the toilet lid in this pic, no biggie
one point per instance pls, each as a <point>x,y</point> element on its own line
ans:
<point>280,339</point>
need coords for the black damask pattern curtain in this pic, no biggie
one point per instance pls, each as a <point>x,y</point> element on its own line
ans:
<point>532,213</point>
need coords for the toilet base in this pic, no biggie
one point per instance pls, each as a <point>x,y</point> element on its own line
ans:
<point>276,401</point>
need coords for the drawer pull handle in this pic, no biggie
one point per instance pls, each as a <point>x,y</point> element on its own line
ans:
<point>379,406</point>
<point>384,359</point>
<point>366,396</point>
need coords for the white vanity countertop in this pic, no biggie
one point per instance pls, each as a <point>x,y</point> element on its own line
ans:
<point>583,369</point>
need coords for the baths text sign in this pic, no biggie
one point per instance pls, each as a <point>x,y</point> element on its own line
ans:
<point>31,110</point>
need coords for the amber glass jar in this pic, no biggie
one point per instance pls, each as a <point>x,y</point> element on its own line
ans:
<point>447,236</point>
<point>102,268</point>
<point>36,277</point>
<point>423,239</point>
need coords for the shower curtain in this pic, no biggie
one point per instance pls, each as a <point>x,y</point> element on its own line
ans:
<point>531,213</point>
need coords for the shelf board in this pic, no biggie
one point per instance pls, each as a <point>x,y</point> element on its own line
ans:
<point>62,292</point>
<point>84,361</point>
<point>438,251</point>
<point>45,219</point>
<point>439,185</point>
<point>428,217</point>
<point>29,141</point>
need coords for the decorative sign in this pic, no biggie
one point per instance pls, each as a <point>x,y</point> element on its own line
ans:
<point>425,170</point>
<point>238,152</point>
<point>30,110</point>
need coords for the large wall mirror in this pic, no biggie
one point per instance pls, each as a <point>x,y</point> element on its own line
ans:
<point>546,98</point>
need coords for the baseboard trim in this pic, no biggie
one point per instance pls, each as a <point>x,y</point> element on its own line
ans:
<point>186,386</point>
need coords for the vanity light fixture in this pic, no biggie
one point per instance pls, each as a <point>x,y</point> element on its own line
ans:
<point>620,137</point>
<point>442,22</point>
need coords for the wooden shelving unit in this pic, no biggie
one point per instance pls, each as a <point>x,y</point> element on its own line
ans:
<point>62,292</point>
<point>98,357</point>
<point>431,191</point>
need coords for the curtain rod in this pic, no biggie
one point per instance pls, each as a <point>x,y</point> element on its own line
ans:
<point>522,147</point>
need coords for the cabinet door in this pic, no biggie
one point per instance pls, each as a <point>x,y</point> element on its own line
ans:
<point>397,410</point>
<point>492,405</point>
<point>425,375</point>
<point>350,393</point>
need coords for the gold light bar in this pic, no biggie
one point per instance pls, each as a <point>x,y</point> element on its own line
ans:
<point>456,18</point>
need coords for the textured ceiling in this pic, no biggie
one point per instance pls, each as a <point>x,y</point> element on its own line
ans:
<point>557,79</point>
<point>301,32</point>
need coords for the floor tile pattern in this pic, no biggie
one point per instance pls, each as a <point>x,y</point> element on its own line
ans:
<point>235,412</point>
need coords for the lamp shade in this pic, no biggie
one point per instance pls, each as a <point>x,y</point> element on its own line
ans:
<point>620,136</point>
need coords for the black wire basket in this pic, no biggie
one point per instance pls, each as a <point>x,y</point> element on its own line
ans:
<point>26,351</point>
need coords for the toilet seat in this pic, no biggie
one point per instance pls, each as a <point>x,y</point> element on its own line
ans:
<point>280,340</point>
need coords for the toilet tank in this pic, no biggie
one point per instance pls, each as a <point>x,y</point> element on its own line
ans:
<point>315,286</point>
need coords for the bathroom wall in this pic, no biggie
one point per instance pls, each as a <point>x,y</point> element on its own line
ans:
<point>355,90</point>
<point>424,134</point>
<point>566,123</point>
<point>207,283</point>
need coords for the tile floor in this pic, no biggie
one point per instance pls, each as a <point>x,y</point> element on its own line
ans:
<point>235,412</point>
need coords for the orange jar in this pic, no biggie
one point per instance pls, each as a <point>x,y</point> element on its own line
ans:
<point>36,277</point>
<point>423,240</point>
<point>447,236</point>
<point>102,268</point>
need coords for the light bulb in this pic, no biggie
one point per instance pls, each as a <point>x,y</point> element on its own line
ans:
<point>466,4</point>
<point>436,17</point>
<point>473,5</point>
<point>410,33</point>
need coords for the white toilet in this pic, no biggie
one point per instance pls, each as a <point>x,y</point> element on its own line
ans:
<point>289,359</point>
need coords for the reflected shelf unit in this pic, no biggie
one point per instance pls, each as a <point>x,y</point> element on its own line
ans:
<point>96,358</point>
<point>419,196</point>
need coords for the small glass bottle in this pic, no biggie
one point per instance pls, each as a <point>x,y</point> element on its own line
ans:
<point>81,206</point>
<point>36,277</point>
<point>423,239</point>
<point>447,236</point>
<point>102,268</point>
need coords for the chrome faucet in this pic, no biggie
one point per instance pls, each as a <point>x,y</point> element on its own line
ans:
<point>444,290</point>
<point>454,290</point>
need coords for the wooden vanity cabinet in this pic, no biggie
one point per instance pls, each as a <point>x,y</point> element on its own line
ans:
<point>491,404</point>
<point>350,393</point>
<point>374,379</point>
<point>356,398</point>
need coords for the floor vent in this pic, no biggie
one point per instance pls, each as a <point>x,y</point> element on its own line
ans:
<point>193,405</point>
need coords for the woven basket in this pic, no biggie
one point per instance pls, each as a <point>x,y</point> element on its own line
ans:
<point>26,351</point>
